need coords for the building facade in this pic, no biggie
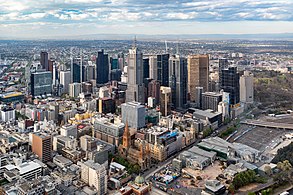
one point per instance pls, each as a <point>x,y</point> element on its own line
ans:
<point>102,68</point>
<point>134,114</point>
<point>198,74</point>
<point>178,81</point>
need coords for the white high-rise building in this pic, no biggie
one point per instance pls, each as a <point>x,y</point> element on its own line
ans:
<point>95,175</point>
<point>134,114</point>
<point>153,67</point>
<point>7,114</point>
<point>135,85</point>
<point>65,78</point>
<point>246,87</point>
<point>74,89</point>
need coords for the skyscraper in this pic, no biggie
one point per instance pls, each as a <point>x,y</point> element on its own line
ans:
<point>146,68</point>
<point>65,80</point>
<point>163,69</point>
<point>102,68</point>
<point>135,85</point>
<point>230,84</point>
<point>44,60</point>
<point>246,87</point>
<point>153,69</point>
<point>121,61</point>
<point>178,80</point>
<point>41,146</point>
<point>198,74</point>
<point>77,73</point>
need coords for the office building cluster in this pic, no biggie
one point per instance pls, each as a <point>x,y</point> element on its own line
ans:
<point>96,124</point>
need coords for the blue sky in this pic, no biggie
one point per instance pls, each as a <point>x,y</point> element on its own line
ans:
<point>38,18</point>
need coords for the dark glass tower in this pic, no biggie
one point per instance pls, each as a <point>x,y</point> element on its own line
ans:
<point>230,84</point>
<point>223,64</point>
<point>44,60</point>
<point>146,68</point>
<point>163,69</point>
<point>76,73</point>
<point>102,68</point>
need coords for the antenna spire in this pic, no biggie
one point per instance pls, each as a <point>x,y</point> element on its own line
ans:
<point>134,42</point>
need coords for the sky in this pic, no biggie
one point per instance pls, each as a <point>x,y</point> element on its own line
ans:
<point>54,18</point>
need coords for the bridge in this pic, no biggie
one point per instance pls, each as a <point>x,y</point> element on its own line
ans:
<point>258,123</point>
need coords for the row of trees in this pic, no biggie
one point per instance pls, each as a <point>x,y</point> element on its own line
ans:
<point>131,168</point>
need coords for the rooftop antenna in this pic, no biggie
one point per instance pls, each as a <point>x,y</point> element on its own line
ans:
<point>81,68</point>
<point>134,42</point>
<point>166,46</point>
<point>71,65</point>
<point>177,47</point>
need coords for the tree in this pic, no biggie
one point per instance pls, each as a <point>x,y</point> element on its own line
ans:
<point>231,189</point>
<point>268,170</point>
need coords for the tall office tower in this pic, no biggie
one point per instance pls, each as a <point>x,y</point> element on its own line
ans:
<point>198,74</point>
<point>163,69</point>
<point>42,146</point>
<point>74,89</point>
<point>246,87</point>
<point>154,90</point>
<point>223,64</point>
<point>121,61</point>
<point>77,73</point>
<point>134,114</point>
<point>153,68</point>
<point>65,80</point>
<point>230,84</point>
<point>146,68</point>
<point>135,86</point>
<point>178,80</point>
<point>55,74</point>
<point>94,175</point>
<point>165,100</point>
<point>44,60</point>
<point>102,68</point>
<point>41,83</point>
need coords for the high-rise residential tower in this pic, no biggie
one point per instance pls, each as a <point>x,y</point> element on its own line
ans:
<point>135,86</point>
<point>198,74</point>
<point>165,100</point>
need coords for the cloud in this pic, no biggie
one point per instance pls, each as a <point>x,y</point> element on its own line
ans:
<point>141,12</point>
